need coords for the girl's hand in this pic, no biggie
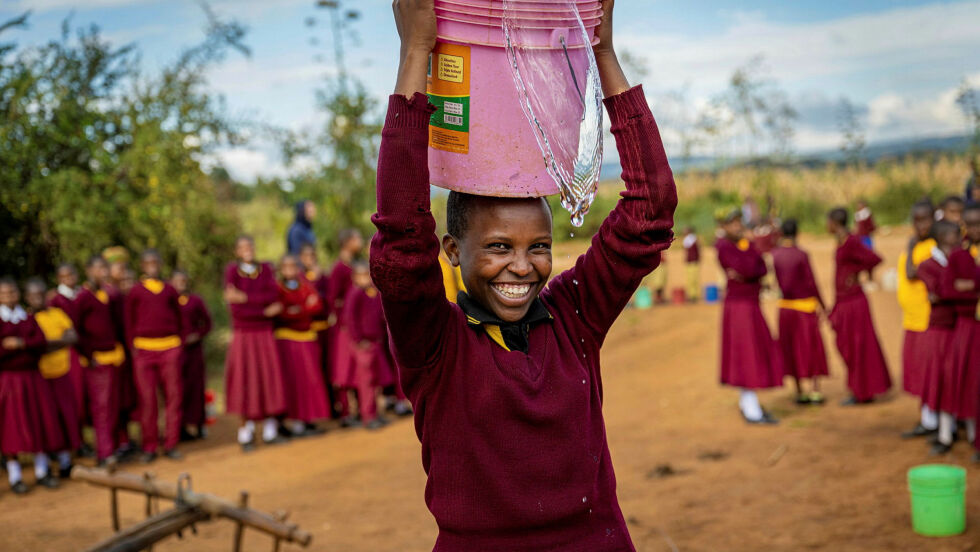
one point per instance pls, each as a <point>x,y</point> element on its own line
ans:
<point>610,71</point>
<point>605,31</point>
<point>272,310</point>
<point>416,23</point>
<point>12,343</point>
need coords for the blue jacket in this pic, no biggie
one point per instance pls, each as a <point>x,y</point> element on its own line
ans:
<point>301,231</point>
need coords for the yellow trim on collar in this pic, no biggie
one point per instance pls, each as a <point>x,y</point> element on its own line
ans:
<point>495,334</point>
<point>153,285</point>
<point>183,300</point>
<point>102,296</point>
<point>743,244</point>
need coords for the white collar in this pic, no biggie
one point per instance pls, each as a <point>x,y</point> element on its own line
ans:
<point>940,257</point>
<point>14,315</point>
<point>68,292</point>
<point>690,240</point>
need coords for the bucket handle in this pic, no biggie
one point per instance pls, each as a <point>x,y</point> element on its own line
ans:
<point>559,37</point>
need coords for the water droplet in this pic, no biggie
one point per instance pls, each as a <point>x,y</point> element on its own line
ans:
<point>571,234</point>
<point>583,340</point>
<point>576,311</point>
<point>585,499</point>
<point>575,282</point>
<point>583,382</point>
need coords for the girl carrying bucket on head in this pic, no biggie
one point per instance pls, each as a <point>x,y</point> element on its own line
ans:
<point>506,385</point>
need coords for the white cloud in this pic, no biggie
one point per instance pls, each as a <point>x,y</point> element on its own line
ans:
<point>245,164</point>
<point>48,5</point>
<point>891,115</point>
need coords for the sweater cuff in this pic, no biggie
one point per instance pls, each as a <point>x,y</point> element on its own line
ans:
<point>627,105</point>
<point>409,113</point>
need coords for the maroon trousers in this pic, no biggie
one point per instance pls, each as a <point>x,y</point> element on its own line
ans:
<point>154,369</point>
<point>68,409</point>
<point>195,376</point>
<point>362,380</point>
<point>102,399</point>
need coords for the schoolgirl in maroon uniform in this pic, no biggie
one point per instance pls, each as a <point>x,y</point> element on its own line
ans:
<point>351,244</point>
<point>253,375</point>
<point>299,350</point>
<point>65,298</point>
<point>804,356</point>
<point>941,386</point>
<point>867,371</point>
<point>370,368</point>
<point>28,416</point>
<point>103,357</point>
<point>506,385</point>
<point>749,355</point>
<point>967,336</point>
<point>195,321</point>
<point>154,333</point>
<point>321,320</point>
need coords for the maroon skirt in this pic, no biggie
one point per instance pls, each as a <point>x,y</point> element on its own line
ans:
<point>964,360</point>
<point>77,378</point>
<point>253,376</point>
<point>749,355</point>
<point>341,361</point>
<point>801,344</point>
<point>938,385</point>
<point>129,397</point>
<point>913,361</point>
<point>306,395</point>
<point>69,413</point>
<point>28,415</point>
<point>867,371</point>
<point>195,378</point>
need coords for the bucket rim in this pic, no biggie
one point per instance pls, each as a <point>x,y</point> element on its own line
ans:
<point>933,475</point>
<point>470,42</point>
<point>499,22</point>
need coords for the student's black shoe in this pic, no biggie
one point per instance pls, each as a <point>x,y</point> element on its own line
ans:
<point>403,409</point>
<point>350,421</point>
<point>278,439</point>
<point>48,481</point>
<point>127,452</point>
<point>311,430</point>
<point>803,399</point>
<point>173,454</point>
<point>106,462</point>
<point>940,449</point>
<point>20,488</point>
<point>86,451</point>
<point>766,419</point>
<point>375,424</point>
<point>918,431</point>
<point>249,446</point>
<point>852,401</point>
<point>148,457</point>
<point>187,436</point>
<point>64,472</point>
<point>975,458</point>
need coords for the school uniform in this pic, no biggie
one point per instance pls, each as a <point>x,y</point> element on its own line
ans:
<point>939,390</point>
<point>129,398</point>
<point>299,353</point>
<point>55,367</point>
<point>102,357</point>
<point>67,301</point>
<point>194,319</point>
<point>865,226</point>
<point>964,352</point>
<point>800,341</point>
<point>253,375</point>
<point>913,298</point>
<point>749,356</point>
<point>867,371</point>
<point>28,415</point>
<point>370,368</point>
<point>510,415</point>
<point>153,328</point>
<point>692,267</point>
<point>340,340</point>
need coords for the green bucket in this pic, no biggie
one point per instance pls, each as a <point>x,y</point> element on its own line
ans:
<point>938,500</point>
<point>643,300</point>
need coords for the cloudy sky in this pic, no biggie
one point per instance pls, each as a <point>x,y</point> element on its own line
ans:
<point>899,61</point>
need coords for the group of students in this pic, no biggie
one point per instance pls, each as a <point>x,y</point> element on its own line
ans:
<point>938,291</point>
<point>304,343</point>
<point>96,354</point>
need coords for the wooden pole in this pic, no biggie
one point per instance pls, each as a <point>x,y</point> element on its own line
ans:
<point>114,505</point>
<point>216,506</point>
<point>240,527</point>
<point>142,535</point>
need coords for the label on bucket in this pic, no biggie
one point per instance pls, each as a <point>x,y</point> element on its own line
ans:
<point>449,91</point>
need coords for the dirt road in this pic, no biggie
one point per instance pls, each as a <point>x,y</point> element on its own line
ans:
<point>692,476</point>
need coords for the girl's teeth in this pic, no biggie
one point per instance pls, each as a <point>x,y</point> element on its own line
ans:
<point>513,291</point>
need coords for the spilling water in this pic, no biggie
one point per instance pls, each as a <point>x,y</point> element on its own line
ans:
<point>550,88</point>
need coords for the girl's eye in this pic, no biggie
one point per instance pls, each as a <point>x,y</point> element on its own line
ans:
<point>541,246</point>
<point>497,246</point>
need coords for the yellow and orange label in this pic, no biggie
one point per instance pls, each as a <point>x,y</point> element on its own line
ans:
<point>449,91</point>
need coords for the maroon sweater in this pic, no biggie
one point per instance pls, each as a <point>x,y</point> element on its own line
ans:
<point>94,323</point>
<point>794,273</point>
<point>748,264</point>
<point>262,290</point>
<point>514,444</point>
<point>34,345</point>
<point>937,280</point>
<point>852,258</point>
<point>340,282</point>
<point>150,314</point>
<point>298,300</point>
<point>194,317</point>
<point>963,267</point>
<point>365,317</point>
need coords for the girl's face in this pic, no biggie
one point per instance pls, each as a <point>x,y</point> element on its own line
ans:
<point>150,266</point>
<point>117,270</point>
<point>355,244</point>
<point>289,269</point>
<point>98,272</point>
<point>245,251</point>
<point>9,295</point>
<point>734,229</point>
<point>308,257</point>
<point>68,277</point>
<point>180,283</point>
<point>922,220</point>
<point>948,240</point>
<point>362,278</point>
<point>971,220</point>
<point>34,295</point>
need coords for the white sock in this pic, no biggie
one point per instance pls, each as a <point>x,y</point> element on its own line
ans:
<point>41,465</point>
<point>748,402</point>
<point>246,433</point>
<point>296,427</point>
<point>269,429</point>
<point>929,419</point>
<point>971,431</point>
<point>13,471</point>
<point>946,425</point>
<point>64,459</point>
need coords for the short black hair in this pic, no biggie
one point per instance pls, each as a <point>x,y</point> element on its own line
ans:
<point>67,266</point>
<point>150,252</point>
<point>180,272</point>
<point>8,281</point>
<point>943,227</point>
<point>347,234</point>
<point>359,265</point>
<point>972,206</point>
<point>460,206</point>
<point>839,215</point>
<point>922,205</point>
<point>951,200</point>
<point>36,282</point>
<point>244,237</point>
<point>93,260</point>
<point>789,228</point>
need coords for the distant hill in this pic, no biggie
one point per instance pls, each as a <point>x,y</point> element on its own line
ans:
<point>872,153</point>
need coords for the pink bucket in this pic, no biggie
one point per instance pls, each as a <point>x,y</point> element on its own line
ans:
<point>480,141</point>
